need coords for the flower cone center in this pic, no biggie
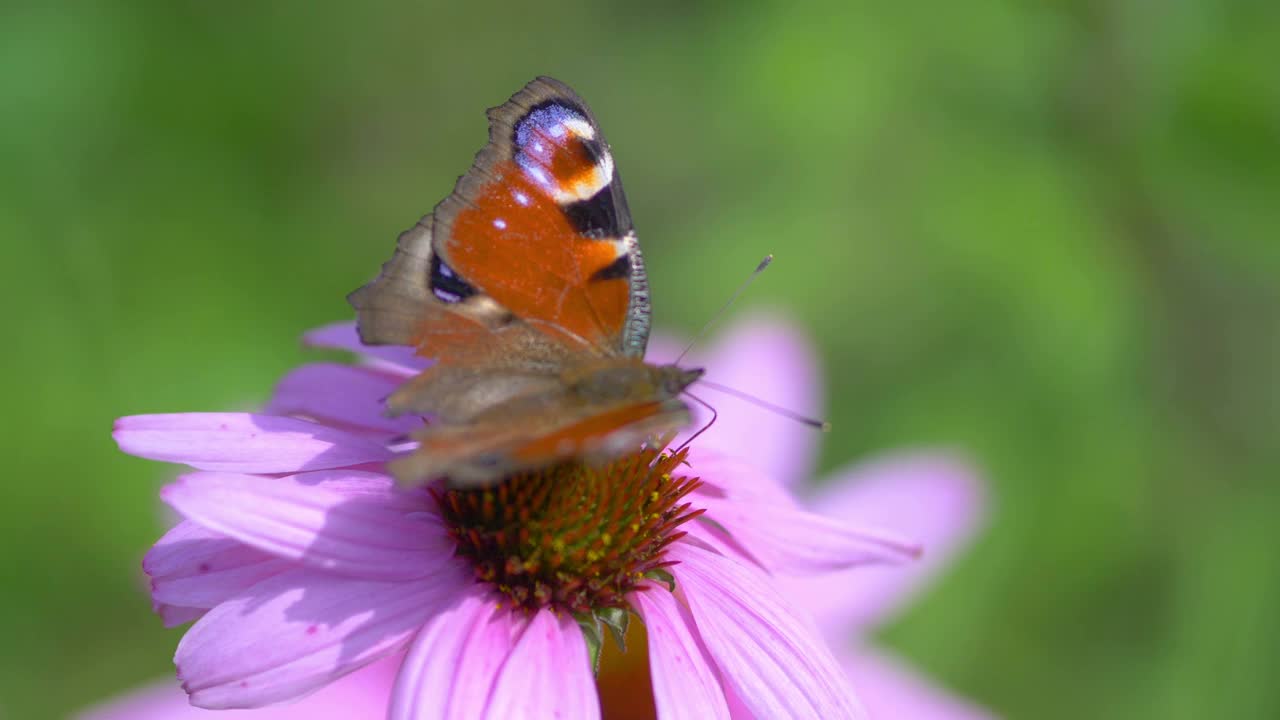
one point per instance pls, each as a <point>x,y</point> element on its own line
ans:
<point>576,537</point>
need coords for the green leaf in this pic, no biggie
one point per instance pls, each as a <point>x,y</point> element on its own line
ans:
<point>617,620</point>
<point>594,636</point>
<point>662,576</point>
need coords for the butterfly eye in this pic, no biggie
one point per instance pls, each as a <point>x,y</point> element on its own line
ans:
<point>445,283</point>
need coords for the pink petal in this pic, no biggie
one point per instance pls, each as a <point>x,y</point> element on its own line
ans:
<point>196,565</point>
<point>800,543</point>
<point>736,477</point>
<point>207,591</point>
<point>547,675</point>
<point>714,538</point>
<point>933,498</point>
<point>451,666</point>
<point>341,395</point>
<point>391,358</point>
<point>685,686</point>
<point>181,551</point>
<point>300,630</point>
<point>768,655</point>
<point>767,356</point>
<point>193,569</point>
<point>228,576</point>
<point>765,525</point>
<point>890,689</point>
<point>353,534</point>
<point>244,442</point>
<point>362,694</point>
<point>175,615</point>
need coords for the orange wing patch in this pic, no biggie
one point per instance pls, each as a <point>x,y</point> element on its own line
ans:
<point>583,436</point>
<point>516,243</point>
<point>572,166</point>
<point>481,453</point>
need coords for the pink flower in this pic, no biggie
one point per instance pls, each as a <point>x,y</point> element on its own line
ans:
<point>301,561</point>
<point>362,695</point>
<point>933,498</point>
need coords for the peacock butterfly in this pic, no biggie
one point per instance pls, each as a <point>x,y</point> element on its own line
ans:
<point>527,288</point>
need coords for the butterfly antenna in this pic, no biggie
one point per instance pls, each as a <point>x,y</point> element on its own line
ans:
<point>822,425</point>
<point>732,299</point>
<point>714,416</point>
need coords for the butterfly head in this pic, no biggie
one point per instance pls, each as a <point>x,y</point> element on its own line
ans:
<point>673,379</point>
<point>629,379</point>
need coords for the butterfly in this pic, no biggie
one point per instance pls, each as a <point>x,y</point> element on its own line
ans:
<point>527,288</point>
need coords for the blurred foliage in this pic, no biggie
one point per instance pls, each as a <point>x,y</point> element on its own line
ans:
<point>1042,232</point>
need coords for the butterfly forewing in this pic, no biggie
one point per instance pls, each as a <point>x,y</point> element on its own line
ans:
<point>541,225</point>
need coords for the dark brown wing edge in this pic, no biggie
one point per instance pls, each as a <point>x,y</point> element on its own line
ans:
<point>391,307</point>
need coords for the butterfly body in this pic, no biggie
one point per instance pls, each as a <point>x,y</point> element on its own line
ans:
<point>527,289</point>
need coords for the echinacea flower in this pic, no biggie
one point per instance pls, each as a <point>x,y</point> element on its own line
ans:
<point>933,497</point>
<point>936,499</point>
<point>300,561</point>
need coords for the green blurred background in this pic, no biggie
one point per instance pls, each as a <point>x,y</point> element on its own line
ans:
<point>1046,232</point>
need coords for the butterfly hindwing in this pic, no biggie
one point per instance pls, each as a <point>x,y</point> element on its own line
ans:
<point>476,453</point>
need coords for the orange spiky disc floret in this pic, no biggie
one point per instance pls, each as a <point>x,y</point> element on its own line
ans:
<point>575,537</point>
